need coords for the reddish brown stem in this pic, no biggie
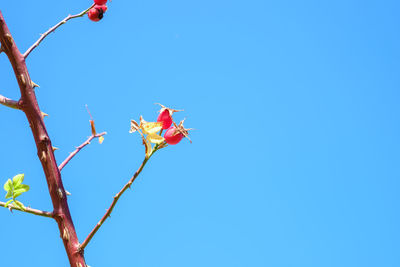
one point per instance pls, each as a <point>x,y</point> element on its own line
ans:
<point>52,29</point>
<point>65,162</point>
<point>9,102</point>
<point>114,202</point>
<point>29,105</point>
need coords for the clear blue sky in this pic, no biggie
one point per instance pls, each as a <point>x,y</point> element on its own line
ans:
<point>295,157</point>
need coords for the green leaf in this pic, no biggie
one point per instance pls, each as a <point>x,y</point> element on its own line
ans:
<point>18,179</point>
<point>24,186</point>
<point>8,202</point>
<point>8,185</point>
<point>19,204</point>
<point>21,189</point>
<point>18,192</point>
<point>9,194</point>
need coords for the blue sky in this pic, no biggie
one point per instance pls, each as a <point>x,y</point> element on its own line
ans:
<point>294,160</point>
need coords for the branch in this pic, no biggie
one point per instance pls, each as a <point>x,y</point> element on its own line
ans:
<point>44,147</point>
<point>28,210</point>
<point>62,165</point>
<point>114,202</point>
<point>9,102</point>
<point>52,29</point>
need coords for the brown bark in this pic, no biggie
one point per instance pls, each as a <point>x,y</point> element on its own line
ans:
<point>28,104</point>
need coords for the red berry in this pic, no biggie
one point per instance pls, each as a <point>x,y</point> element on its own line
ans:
<point>172,136</point>
<point>96,13</point>
<point>93,14</point>
<point>100,2</point>
<point>102,7</point>
<point>165,118</point>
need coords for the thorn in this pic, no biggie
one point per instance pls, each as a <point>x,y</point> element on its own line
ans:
<point>67,193</point>
<point>60,193</point>
<point>44,114</point>
<point>66,234</point>
<point>22,77</point>
<point>9,39</point>
<point>34,84</point>
<point>55,148</point>
<point>43,157</point>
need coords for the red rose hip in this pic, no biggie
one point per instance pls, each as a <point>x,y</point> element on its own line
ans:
<point>96,13</point>
<point>175,134</point>
<point>100,2</point>
<point>172,136</point>
<point>165,118</point>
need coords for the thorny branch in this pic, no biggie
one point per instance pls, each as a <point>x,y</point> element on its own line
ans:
<point>87,142</point>
<point>52,29</point>
<point>114,202</point>
<point>44,147</point>
<point>28,210</point>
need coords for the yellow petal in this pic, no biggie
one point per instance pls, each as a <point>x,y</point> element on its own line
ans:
<point>101,139</point>
<point>151,127</point>
<point>155,138</point>
<point>141,121</point>
<point>148,147</point>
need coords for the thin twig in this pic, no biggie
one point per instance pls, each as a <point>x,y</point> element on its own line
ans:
<point>52,29</point>
<point>9,102</point>
<point>28,210</point>
<point>62,165</point>
<point>114,202</point>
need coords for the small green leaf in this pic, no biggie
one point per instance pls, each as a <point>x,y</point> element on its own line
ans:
<point>18,192</point>
<point>19,204</point>
<point>21,189</point>
<point>9,194</point>
<point>8,185</point>
<point>8,202</point>
<point>24,186</point>
<point>18,179</point>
